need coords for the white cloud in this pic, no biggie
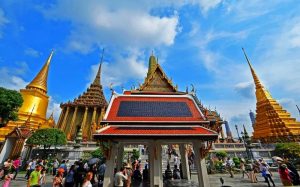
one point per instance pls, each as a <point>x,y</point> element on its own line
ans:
<point>235,111</point>
<point>122,70</point>
<point>206,5</point>
<point>53,107</point>
<point>96,23</point>
<point>246,10</point>
<point>214,60</point>
<point>245,89</point>
<point>280,58</point>
<point>3,21</point>
<point>31,52</point>
<point>11,81</point>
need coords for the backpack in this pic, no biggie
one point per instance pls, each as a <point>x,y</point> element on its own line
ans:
<point>70,177</point>
<point>176,174</point>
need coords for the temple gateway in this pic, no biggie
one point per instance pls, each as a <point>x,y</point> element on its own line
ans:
<point>154,115</point>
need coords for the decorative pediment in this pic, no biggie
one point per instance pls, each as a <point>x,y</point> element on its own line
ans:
<point>157,81</point>
<point>20,132</point>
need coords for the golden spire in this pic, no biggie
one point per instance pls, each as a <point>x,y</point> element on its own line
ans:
<point>261,92</point>
<point>152,65</point>
<point>255,77</point>
<point>40,81</point>
<point>97,80</point>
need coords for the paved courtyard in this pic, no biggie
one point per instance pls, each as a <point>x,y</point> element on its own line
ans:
<point>214,181</point>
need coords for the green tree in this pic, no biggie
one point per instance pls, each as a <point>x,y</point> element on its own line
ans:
<point>221,155</point>
<point>47,137</point>
<point>97,153</point>
<point>10,101</point>
<point>135,155</point>
<point>290,150</point>
<point>236,161</point>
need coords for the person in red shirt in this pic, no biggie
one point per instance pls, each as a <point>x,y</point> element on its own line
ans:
<point>284,175</point>
<point>16,166</point>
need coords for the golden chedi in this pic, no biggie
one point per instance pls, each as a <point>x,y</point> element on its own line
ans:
<point>85,112</point>
<point>34,108</point>
<point>273,123</point>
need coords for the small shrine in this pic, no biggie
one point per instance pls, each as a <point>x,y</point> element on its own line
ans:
<point>154,115</point>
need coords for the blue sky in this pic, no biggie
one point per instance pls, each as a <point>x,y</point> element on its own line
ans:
<point>197,42</point>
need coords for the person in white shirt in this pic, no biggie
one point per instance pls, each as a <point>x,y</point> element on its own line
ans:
<point>120,177</point>
<point>229,165</point>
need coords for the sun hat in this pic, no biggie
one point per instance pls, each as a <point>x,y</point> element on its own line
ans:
<point>60,170</point>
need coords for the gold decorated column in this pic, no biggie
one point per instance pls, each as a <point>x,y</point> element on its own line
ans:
<point>61,116</point>
<point>94,115</point>
<point>101,115</point>
<point>84,129</point>
<point>72,128</point>
<point>93,123</point>
<point>63,125</point>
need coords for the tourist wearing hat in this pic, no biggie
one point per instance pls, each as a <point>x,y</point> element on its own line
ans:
<point>265,171</point>
<point>58,179</point>
<point>129,174</point>
<point>293,171</point>
<point>284,175</point>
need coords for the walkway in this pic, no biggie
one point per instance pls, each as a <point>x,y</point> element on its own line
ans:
<point>214,181</point>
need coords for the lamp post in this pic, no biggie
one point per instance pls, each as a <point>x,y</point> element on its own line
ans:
<point>55,145</point>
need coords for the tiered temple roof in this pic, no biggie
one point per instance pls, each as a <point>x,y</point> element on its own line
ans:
<point>85,112</point>
<point>273,123</point>
<point>93,96</point>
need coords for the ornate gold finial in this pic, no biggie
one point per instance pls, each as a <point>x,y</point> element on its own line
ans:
<point>261,92</point>
<point>152,65</point>
<point>255,77</point>
<point>98,76</point>
<point>40,81</point>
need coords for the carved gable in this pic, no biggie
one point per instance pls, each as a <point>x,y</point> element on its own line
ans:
<point>158,82</point>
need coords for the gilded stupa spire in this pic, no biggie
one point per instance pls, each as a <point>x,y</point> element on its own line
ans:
<point>272,122</point>
<point>261,92</point>
<point>40,81</point>
<point>255,77</point>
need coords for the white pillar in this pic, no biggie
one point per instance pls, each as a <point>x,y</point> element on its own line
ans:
<point>110,166</point>
<point>184,162</point>
<point>203,179</point>
<point>120,156</point>
<point>155,165</point>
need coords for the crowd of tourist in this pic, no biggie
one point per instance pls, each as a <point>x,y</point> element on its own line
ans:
<point>85,174</point>
<point>287,171</point>
<point>79,174</point>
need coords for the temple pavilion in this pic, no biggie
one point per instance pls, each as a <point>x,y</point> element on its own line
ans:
<point>31,115</point>
<point>154,115</point>
<point>84,112</point>
<point>273,123</point>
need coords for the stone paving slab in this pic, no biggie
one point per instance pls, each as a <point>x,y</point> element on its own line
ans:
<point>237,181</point>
